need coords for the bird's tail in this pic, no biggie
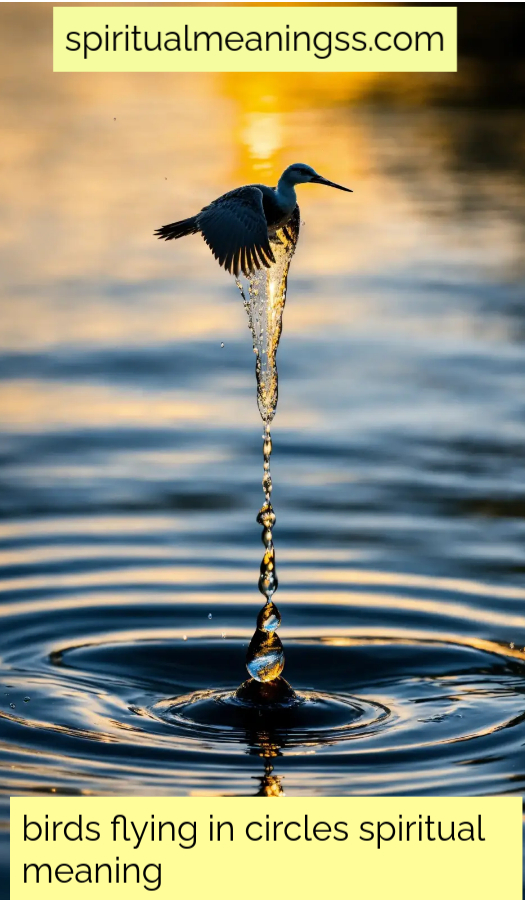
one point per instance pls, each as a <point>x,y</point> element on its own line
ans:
<point>178,229</point>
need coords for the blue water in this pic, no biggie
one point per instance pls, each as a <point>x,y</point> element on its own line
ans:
<point>130,481</point>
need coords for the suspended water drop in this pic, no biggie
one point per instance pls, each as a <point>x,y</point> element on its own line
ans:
<point>266,516</point>
<point>184,637</point>
<point>268,582</point>
<point>210,615</point>
<point>27,699</point>
<point>12,705</point>
<point>222,343</point>
<point>265,657</point>
<point>269,618</point>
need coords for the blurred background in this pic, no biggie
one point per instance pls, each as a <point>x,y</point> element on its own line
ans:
<point>401,405</point>
<point>131,449</point>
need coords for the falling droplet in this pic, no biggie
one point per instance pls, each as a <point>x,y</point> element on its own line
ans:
<point>268,581</point>
<point>269,618</point>
<point>184,637</point>
<point>266,516</point>
<point>12,705</point>
<point>210,615</point>
<point>222,343</point>
<point>265,657</point>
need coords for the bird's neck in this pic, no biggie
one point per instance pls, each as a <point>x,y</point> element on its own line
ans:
<point>286,196</point>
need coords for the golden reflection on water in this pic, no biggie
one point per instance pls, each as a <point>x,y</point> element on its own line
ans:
<point>93,163</point>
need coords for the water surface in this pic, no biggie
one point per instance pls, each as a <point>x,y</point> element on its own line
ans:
<point>131,451</point>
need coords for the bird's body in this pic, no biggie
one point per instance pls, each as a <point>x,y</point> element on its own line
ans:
<point>239,225</point>
<point>277,209</point>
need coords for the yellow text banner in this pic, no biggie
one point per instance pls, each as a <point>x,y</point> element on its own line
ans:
<point>254,39</point>
<point>234,848</point>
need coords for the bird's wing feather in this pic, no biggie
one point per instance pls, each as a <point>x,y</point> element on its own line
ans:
<point>235,229</point>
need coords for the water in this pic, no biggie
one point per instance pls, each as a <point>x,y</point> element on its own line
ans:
<point>264,299</point>
<point>130,457</point>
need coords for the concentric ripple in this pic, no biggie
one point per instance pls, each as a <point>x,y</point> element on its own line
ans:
<point>311,719</point>
<point>122,691</point>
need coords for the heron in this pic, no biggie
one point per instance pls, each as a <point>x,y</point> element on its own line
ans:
<point>239,225</point>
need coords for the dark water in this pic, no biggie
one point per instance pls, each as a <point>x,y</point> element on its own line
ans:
<point>130,481</point>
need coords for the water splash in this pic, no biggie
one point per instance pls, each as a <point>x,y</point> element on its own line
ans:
<point>264,297</point>
<point>264,302</point>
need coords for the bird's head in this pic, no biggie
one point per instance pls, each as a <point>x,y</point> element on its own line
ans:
<point>300,173</point>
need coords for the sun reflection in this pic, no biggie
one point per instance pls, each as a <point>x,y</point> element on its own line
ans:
<point>85,184</point>
<point>263,134</point>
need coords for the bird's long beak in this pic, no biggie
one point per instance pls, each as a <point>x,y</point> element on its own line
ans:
<point>320,180</point>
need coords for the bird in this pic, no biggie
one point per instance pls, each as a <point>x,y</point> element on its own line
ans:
<point>239,225</point>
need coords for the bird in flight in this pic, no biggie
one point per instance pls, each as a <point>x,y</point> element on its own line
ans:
<point>238,225</point>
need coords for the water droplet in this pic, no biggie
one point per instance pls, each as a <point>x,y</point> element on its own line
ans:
<point>184,637</point>
<point>268,581</point>
<point>222,343</point>
<point>267,537</point>
<point>210,615</point>
<point>223,634</point>
<point>269,618</point>
<point>27,699</point>
<point>267,483</point>
<point>265,656</point>
<point>266,516</point>
<point>12,705</point>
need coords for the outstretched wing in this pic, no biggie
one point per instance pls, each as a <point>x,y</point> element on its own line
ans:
<point>234,227</point>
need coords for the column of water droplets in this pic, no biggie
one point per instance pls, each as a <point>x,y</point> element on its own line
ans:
<point>265,656</point>
<point>264,305</point>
